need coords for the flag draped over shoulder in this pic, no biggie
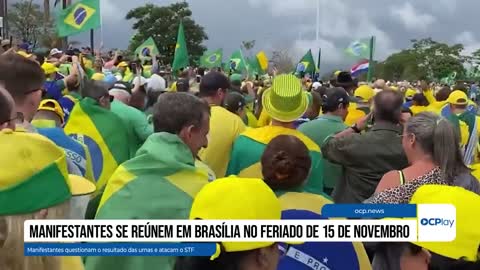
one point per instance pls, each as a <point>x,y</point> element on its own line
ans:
<point>180,59</point>
<point>147,49</point>
<point>103,133</point>
<point>79,17</point>
<point>306,64</point>
<point>160,182</point>
<point>212,59</point>
<point>249,146</point>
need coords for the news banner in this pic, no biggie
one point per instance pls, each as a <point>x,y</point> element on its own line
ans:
<point>341,223</point>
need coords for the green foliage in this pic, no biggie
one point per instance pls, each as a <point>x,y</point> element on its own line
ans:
<point>427,59</point>
<point>161,23</point>
<point>27,22</point>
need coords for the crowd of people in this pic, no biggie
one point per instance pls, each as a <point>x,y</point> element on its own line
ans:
<point>87,135</point>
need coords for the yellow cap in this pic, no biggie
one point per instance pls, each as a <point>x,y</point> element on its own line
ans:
<point>467,204</point>
<point>410,93</point>
<point>34,174</point>
<point>337,72</point>
<point>98,76</point>
<point>235,198</point>
<point>365,93</point>
<point>49,68</point>
<point>122,64</point>
<point>53,106</point>
<point>458,97</point>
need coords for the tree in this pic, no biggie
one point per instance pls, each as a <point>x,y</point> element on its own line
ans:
<point>161,23</point>
<point>282,61</point>
<point>27,22</point>
<point>438,60</point>
<point>248,46</point>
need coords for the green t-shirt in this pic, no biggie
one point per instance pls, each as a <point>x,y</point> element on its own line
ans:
<point>318,130</point>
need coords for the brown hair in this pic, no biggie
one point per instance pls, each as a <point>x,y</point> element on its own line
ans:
<point>285,162</point>
<point>20,75</point>
<point>6,106</point>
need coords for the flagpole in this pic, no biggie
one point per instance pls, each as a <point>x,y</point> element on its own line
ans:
<point>65,39</point>
<point>92,42</point>
<point>318,22</point>
<point>319,58</point>
<point>370,60</point>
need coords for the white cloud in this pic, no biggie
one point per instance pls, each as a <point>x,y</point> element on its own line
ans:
<point>412,18</point>
<point>338,22</point>
<point>469,40</point>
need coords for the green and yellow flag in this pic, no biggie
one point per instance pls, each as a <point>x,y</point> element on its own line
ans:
<point>160,182</point>
<point>306,64</point>
<point>254,66</point>
<point>212,59</point>
<point>104,135</point>
<point>249,146</point>
<point>262,60</point>
<point>180,59</point>
<point>79,17</point>
<point>147,49</point>
<point>237,62</point>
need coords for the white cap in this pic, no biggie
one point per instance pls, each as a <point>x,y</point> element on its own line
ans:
<point>315,85</point>
<point>55,51</point>
<point>140,80</point>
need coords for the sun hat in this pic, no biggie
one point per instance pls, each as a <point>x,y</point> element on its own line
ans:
<point>53,106</point>
<point>364,93</point>
<point>321,255</point>
<point>49,68</point>
<point>34,174</point>
<point>231,199</point>
<point>458,97</point>
<point>467,203</point>
<point>55,51</point>
<point>285,101</point>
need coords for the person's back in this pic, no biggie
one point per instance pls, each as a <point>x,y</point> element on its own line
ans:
<point>285,167</point>
<point>335,109</point>
<point>225,126</point>
<point>93,124</point>
<point>367,157</point>
<point>161,181</point>
<point>248,148</point>
<point>135,121</point>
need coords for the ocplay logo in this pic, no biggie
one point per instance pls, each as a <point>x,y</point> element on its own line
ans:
<point>437,222</point>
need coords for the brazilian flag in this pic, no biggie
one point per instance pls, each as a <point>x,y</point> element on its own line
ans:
<point>212,59</point>
<point>147,49</point>
<point>79,17</point>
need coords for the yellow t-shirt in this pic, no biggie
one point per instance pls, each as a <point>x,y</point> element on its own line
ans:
<point>264,119</point>
<point>417,109</point>
<point>225,127</point>
<point>252,120</point>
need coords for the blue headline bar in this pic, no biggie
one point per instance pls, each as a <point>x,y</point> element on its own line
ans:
<point>119,249</point>
<point>370,210</point>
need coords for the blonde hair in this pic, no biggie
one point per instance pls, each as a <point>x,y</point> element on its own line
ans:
<point>11,242</point>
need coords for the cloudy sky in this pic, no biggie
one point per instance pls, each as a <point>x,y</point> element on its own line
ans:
<point>291,24</point>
